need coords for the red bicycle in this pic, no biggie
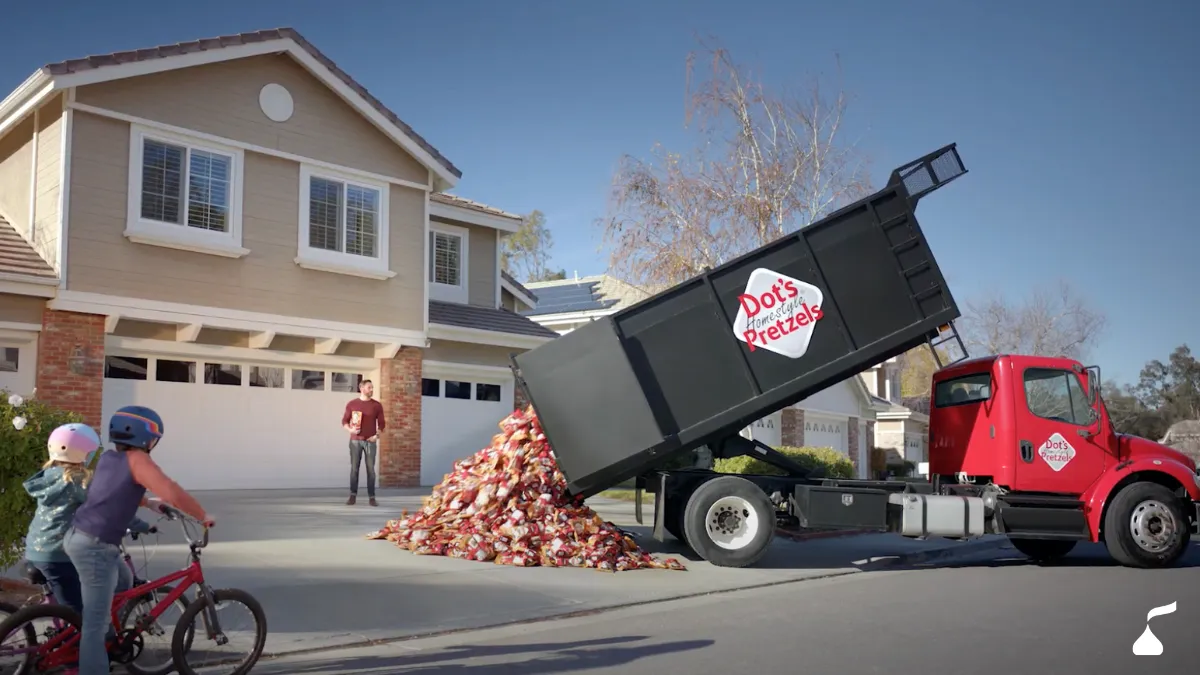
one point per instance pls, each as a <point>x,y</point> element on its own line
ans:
<point>59,653</point>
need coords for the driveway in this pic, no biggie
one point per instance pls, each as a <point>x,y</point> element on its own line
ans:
<point>303,554</point>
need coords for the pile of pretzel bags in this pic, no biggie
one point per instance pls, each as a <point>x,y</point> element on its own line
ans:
<point>508,503</point>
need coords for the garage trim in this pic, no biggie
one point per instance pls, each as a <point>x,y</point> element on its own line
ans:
<point>140,346</point>
<point>444,369</point>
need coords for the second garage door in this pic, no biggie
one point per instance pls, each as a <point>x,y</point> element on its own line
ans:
<point>461,410</point>
<point>240,425</point>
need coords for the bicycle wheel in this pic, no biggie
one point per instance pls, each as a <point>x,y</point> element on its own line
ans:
<point>23,652</point>
<point>155,657</point>
<point>189,655</point>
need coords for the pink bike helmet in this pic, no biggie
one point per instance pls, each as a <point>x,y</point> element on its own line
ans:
<point>72,443</point>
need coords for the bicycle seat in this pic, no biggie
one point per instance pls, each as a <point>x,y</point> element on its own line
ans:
<point>34,576</point>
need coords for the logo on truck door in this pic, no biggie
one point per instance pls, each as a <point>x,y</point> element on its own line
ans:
<point>777,313</point>
<point>1057,452</point>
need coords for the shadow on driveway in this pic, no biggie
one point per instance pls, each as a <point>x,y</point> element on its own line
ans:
<point>545,658</point>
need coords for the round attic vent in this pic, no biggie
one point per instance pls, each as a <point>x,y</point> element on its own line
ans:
<point>276,102</point>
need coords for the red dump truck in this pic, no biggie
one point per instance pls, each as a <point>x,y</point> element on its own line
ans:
<point>1018,445</point>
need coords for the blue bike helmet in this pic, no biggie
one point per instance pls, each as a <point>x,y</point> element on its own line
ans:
<point>135,426</point>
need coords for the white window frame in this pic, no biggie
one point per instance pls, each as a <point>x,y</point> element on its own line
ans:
<point>335,261</point>
<point>157,233</point>
<point>447,292</point>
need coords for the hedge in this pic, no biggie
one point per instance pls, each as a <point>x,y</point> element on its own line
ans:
<point>836,464</point>
<point>25,426</point>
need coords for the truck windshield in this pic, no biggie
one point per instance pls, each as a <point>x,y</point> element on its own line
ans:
<point>971,388</point>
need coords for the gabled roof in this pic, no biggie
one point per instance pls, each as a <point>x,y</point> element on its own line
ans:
<point>118,65</point>
<point>598,293</point>
<point>18,257</point>
<point>455,200</point>
<point>484,318</point>
<point>510,284</point>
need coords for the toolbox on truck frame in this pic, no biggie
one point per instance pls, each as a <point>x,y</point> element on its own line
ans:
<point>626,392</point>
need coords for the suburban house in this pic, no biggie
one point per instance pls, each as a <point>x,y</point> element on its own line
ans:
<point>902,425</point>
<point>235,232</point>
<point>842,416</point>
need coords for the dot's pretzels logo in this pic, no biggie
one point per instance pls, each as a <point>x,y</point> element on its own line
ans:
<point>777,313</point>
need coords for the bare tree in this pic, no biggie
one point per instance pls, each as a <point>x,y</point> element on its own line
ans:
<point>1051,322</point>
<point>765,164</point>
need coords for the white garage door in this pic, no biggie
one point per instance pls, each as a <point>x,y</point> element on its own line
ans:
<point>18,361</point>
<point>233,425</point>
<point>825,432</point>
<point>461,410</point>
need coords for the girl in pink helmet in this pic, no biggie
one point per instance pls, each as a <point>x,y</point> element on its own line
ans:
<point>59,488</point>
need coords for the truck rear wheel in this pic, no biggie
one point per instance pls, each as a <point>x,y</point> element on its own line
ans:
<point>1043,550</point>
<point>1146,527</point>
<point>729,522</point>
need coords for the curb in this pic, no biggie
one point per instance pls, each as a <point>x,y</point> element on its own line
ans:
<point>896,561</point>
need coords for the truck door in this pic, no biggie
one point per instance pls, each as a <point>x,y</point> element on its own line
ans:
<point>1052,408</point>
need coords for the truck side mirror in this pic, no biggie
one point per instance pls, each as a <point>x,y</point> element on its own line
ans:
<point>1093,390</point>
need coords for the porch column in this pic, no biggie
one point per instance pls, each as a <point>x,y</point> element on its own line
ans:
<point>70,368</point>
<point>791,427</point>
<point>400,442</point>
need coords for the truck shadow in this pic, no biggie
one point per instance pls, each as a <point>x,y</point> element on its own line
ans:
<point>782,554</point>
<point>544,658</point>
<point>1086,556</point>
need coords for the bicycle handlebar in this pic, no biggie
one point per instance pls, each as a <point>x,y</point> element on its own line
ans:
<point>173,513</point>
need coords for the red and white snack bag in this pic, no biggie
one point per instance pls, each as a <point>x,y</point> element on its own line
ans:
<point>508,503</point>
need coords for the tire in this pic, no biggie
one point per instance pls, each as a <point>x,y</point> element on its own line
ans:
<point>1146,527</point>
<point>182,643</point>
<point>148,601</point>
<point>1043,551</point>
<point>750,521</point>
<point>22,620</point>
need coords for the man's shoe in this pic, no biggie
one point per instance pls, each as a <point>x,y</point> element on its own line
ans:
<point>373,502</point>
<point>352,500</point>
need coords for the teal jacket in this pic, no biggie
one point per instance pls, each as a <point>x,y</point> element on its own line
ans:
<point>57,501</point>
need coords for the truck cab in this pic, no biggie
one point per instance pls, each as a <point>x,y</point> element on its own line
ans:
<point>1035,429</point>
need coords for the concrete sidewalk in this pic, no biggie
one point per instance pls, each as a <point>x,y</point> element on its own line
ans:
<point>304,555</point>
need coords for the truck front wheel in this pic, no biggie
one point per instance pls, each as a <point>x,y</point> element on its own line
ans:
<point>1146,527</point>
<point>729,522</point>
<point>1043,550</point>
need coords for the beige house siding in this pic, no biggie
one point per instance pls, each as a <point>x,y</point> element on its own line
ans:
<point>464,352</point>
<point>16,154</point>
<point>267,280</point>
<point>507,301</point>
<point>481,277</point>
<point>49,180</point>
<point>222,99</point>
<point>21,308</point>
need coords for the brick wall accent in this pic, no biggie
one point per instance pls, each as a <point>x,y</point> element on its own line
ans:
<point>870,434</point>
<point>791,427</point>
<point>400,443</point>
<point>852,442</point>
<point>70,368</point>
<point>519,400</point>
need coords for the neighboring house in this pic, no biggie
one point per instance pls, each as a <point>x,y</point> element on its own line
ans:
<point>902,425</point>
<point>235,232</point>
<point>840,417</point>
<point>1185,437</point>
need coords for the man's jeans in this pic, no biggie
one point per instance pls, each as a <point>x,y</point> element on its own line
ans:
<point>101,574</point>
<point>357,450</point>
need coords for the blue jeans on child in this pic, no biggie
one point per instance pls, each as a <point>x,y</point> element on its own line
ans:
<point>101,575</point>
<point>64,583</point>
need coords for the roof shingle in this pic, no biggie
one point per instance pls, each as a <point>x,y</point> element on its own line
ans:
<point>18,257</point>
<point>455,200</point>
<point>484,318</point>
<point>204,44</point>
<point>510,279</point>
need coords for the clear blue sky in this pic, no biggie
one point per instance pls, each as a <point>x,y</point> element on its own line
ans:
<point>1078,125</point>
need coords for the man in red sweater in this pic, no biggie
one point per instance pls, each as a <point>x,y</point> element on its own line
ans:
<point>364,420</point>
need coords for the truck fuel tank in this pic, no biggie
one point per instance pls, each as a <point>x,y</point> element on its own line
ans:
<point>921,515</point>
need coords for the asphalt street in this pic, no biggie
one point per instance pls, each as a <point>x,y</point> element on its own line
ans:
<point>993,613</point>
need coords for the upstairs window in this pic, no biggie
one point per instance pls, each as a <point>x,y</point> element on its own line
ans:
<point>185,194</point>
<point>343,224</point>
<point>448,262</point>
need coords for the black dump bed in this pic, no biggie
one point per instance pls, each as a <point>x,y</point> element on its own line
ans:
<point>622,394</point>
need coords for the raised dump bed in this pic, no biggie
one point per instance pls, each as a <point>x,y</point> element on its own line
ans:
<point>697,363</point>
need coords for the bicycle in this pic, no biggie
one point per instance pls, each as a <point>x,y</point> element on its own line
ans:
<point>61,650</point>
<point>35,577</point>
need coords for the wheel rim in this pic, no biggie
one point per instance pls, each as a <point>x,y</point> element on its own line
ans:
<point>732,523</point>
<point>1153,526</point>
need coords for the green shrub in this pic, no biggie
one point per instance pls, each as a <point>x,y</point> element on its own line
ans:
<point>22,453</point>
<point>836,464</point>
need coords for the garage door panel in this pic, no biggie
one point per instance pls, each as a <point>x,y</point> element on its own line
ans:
<point>456,428</point>
<point>242,437</point>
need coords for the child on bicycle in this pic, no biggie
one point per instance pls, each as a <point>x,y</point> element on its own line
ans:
<point>118,487</point>
<point>59,488</point>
